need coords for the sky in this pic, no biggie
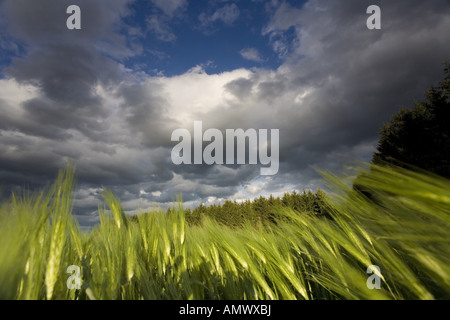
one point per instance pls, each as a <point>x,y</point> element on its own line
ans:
<point>107,97</point>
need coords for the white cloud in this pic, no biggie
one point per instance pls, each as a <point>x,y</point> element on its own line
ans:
<point>194,94</point>
<point>14,93</point>
<point>227,14</point>
<point>159,23</point>
<point>159,26</point>
<point>169,7</point>
<point>251,54</point>
<point>284,17</point>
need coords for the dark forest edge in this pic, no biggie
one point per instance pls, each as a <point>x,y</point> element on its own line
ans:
<point>260,212</point>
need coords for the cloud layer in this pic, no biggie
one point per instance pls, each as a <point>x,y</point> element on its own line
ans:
<point>69,96</point>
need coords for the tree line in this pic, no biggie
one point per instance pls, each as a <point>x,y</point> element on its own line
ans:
<point>260,212</point>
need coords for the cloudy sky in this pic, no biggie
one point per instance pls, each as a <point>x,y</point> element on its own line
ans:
<point>109,96</point>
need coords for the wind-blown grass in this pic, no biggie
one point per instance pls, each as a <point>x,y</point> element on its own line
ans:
<point>403,229</point>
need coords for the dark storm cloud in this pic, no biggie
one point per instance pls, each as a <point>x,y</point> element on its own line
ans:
<point>44,21</point>
<point>23,164</point>
<point>147,112</point>
<point>240,87</point>
<point>68,118</point>
<point>66,65</point>
<point>357,78</point>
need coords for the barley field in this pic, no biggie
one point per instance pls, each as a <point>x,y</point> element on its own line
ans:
<point>402,227</point>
